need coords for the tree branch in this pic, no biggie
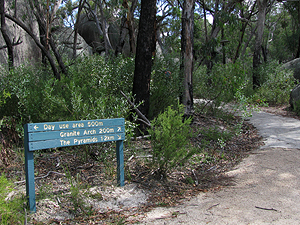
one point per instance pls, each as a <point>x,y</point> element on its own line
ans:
<point>13,44</point>
<point>143,118</point>
<point>47,54</point>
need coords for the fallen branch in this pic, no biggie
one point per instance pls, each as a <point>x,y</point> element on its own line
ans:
<point>174,214</point>
<point>272,209</point>
<point>131,157</point>
<point>140,137</point>
<point>85,167</point>
<point>213,206</point>
<point>42,177</point>
<point>143,118</point>
<point>196,179</point>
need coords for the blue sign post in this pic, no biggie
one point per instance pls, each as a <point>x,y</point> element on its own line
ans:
<point>70,133</point>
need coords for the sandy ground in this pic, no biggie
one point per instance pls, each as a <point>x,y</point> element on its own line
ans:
<point>265,186</point>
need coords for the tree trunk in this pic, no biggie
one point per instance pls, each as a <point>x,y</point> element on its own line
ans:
<point>264,53</point>
<point>187,55</point>
<point>237,52</point>
<point>48,38</point>
<point>127,23</point>
<point>43,42</point>
<point>205,25</point>
<point>143,58</point>
<point>248,41</point>
<point>58,57</point>
<point>244,26</point>
<point>223,47</point>
<point>123,33</point>
<point>298,50</point>
<point>105,26</point>
<point>80,6</point>
<point>262,5</point>
<point>130,24</point>
<point>6,36</point>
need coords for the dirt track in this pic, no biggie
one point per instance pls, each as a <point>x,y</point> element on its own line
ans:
<point>265,186</point>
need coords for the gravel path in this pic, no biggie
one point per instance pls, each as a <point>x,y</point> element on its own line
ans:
<point>266,185</point>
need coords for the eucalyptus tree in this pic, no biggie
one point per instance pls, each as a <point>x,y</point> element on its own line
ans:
<point>9,44</point>
<point>127,26</point>
<point>40,10</point>
<point>283,34</point>
<point>221,13</point>
<point>293,8</point>
<point>13,40</point>
<point>262,6</point>
<point>168,27</point>
<point>104,24</point>
<point>187,56</point>
<point>245,17</point>
<point>45,15</point>
<point>76,24</point>
<point>273,32</point>
<point>144,52</point>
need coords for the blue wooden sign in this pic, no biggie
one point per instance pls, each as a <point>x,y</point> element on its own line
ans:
<point>70,133</point>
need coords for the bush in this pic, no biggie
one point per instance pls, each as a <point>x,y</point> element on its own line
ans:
<point>93,90</point>
<point>296,107</point>
<point>170,140</point>
<point>90,91</point>
<point>276,84</point>
<point>221,84</point>
<point>165,85</point>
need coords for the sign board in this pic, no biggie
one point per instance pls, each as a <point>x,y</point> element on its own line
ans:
<point>39,136</point>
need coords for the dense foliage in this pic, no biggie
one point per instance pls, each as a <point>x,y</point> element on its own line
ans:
<point>92,90</point>
<point>221,84</point>
<point>276,85</point>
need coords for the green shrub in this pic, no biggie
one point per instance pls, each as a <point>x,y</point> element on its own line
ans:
<point>215,134</point>
<point>296,107</point>
<point>90,91</point>
<point>170,140</point>
<point>77,195</point>
<point>3,96</point>
<point>276,84</point>
<point>165,85</point>
<point>221,84</point>
<point>11,210</point>
<point>26,86</point>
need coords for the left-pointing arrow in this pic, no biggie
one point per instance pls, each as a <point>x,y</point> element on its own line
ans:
<point>35,127</point>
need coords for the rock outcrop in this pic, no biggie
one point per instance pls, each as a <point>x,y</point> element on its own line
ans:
<point>293,65</point>
<point>27,51</point>
<point>295,97</point>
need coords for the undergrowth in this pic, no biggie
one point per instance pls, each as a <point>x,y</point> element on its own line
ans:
<point>11,206</point>
<point>92,90</point>
<point>276,85</point>
<point>169,137</point>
